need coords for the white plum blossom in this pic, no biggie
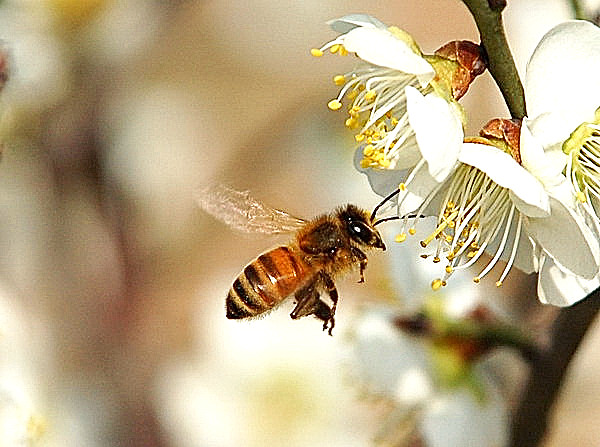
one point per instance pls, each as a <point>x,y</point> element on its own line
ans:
<point>396,97</point>
<point>523,211</point>
<point>562,91</point>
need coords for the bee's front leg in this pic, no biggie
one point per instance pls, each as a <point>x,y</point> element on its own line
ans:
<point>362,259</point>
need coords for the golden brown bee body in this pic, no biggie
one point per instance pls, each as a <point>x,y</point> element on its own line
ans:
<point>323,248</point>
<point>265,282</point>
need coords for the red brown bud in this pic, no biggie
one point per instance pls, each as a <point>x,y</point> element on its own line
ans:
<point>507,130</point>
<point>471,60</point>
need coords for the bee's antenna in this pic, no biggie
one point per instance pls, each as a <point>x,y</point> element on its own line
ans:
<point>386,199</point>
<point>385,219</point>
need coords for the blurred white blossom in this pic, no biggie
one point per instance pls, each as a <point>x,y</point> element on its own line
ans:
<point>404,371</point>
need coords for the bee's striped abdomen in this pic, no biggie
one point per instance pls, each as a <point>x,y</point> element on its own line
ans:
<point>265,282</point>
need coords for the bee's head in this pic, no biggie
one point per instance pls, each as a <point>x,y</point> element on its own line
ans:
<point>360,228</point>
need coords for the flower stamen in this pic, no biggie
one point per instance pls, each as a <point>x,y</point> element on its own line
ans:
<point>473,212</point>
<point>583,162</point>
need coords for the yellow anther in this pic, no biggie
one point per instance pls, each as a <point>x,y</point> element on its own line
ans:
<point>394,121</point>
<point>316,52</point>
<point>498,283</point>
<point>412,231</point>
<point>471,254</point>
<point>449,269</point>
<point>343,51</point>
<point>359,137</point>
<point>370,95</point>
<point>364,163</point>
<point>450,205</point>
<point>424,256</point>
<point>436,284</point>
<point>436,259</point>
<point>385,163</point>
<point>581,197</point>
<point>439,229</point>
<point>335,48</point>
<point>476,280</point>
<point>350,122</point>
<point>449,238</point>
<point>400,237</point>
<point>368,150</point>
<point>334,104</point>
<point>402,187</point>
<point>339,80</point>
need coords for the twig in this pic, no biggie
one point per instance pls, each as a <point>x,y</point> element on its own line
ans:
<point>578,10</point>
<point>488,17</point>
<point>549,366</point>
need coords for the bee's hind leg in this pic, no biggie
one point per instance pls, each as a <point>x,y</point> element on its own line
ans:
<point>309,303</point>
<point>306,299</point>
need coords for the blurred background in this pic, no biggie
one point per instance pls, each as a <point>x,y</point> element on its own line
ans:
<point>112,280</point>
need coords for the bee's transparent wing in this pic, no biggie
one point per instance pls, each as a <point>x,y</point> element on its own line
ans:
<point>241,212</point>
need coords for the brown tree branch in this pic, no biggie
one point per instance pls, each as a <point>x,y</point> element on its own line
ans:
<point>488,17</point>
<point>548,372</point>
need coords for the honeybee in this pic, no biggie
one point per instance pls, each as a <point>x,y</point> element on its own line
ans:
<point>321,250</point>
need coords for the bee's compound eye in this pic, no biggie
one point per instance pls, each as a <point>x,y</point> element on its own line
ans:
<point>359,231</point>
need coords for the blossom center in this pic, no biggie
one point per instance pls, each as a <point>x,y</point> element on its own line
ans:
<point>378,112</point>
<point>474,212</point>
<point>583,164</point>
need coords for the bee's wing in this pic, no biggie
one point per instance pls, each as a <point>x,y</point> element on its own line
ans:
<point>241,212</point>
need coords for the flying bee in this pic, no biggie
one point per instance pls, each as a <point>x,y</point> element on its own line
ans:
<point>321,250</point>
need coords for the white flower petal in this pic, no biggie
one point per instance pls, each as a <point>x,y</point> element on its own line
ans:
<point>547,130</point>
<point>546,168</point>
<point>459,419</point>
<point>567,239</point>
<point>525,259</point>
<point>351,21</point>
<point>438,131</point>
<point>526,208</point>
<point>382,181</point>
<point>560,288</point>
<point>506,172</point>
<point>525,256</point>
<point>381,47</point>
<point>562,75</point>
<point>417,191</point>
